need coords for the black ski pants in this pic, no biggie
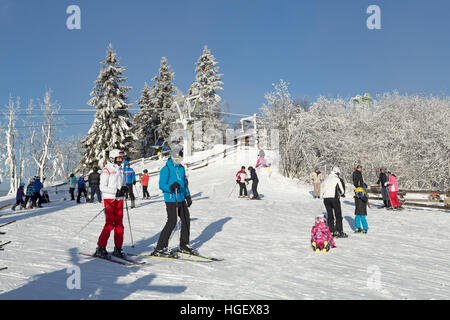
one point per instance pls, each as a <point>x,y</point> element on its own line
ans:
<point>145,192</point>
<point>243,189</point>
<point>255,189</point>
<point>95,190</point>
<point>130,192</point>
<point>183,213</point>
<point>334,212</point>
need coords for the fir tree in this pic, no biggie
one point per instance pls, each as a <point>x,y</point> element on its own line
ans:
<point>207,84</point>
<point>111,127</point>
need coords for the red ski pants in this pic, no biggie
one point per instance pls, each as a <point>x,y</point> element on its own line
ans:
<point>114,218</point>
<point>394,200</point>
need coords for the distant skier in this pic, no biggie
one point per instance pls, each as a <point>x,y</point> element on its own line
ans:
<point>72,185</point>
<point>358,180</point>
<point>82,189</point>
<point>144,181</point>
<point>255,180</point>
<point>333,188</point>
<point>361,200</point>
<point>316,178</point>
<point>130,180</point>
<point>241,177</point>
<point>383,180</point>
<point>113,190</point>
<point>393,190</point>
<point>261,160</point>
<point>19,197</point>
<point>37,199</point>
<point>94,184</point>
<point>29,194</point>
<point>173,183</point>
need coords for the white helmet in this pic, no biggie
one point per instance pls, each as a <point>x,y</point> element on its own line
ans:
<point>336,170</point>
<point>114,153</point>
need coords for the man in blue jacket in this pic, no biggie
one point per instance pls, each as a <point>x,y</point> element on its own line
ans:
<point>37,192</point>
<point>130,180</point>
<point>173,183</point>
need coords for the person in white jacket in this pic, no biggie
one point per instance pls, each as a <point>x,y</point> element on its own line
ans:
<point>113,189</point>
<point>333,188</point>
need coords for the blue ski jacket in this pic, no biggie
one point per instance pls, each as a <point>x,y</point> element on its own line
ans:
<point>169,174</point>
<point>128,173</point>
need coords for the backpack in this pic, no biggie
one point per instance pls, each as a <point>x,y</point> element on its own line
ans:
<point>321,238</point>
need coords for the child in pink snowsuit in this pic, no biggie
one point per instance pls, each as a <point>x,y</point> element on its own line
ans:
<point>261,159</point>
<point>393,189</point>
<point>321,238</point>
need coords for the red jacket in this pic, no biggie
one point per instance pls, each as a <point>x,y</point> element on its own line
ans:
<point>241,176</point>
<point>144,180</point>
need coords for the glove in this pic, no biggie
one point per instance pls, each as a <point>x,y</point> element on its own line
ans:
<point>237,181</point>
<point>343,195</point>
<point>134,182</point>
<point>188,201</point>
<point>122,191</point>
<point>174,186</point>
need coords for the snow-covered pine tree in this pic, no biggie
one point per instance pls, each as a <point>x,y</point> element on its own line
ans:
<point>144,124</point>
<point>207,83</point>
<point>112,125</point>
<point>160,104</point>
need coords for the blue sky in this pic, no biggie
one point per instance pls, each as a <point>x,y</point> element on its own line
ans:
<point>321,47</point>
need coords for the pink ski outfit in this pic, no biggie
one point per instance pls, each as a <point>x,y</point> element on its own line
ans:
<point>393,189</point>
<point>320,233</point>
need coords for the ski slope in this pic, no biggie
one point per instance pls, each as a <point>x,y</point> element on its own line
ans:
<point>265,244</point>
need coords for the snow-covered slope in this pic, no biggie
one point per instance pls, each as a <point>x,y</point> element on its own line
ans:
<point>265,244</point>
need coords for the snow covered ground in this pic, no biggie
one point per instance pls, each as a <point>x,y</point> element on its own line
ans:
<point>265,244</point>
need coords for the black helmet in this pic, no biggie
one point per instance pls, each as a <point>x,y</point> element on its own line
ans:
<point>145,170</point>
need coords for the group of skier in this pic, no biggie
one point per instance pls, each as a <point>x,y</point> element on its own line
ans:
<point>116,182</point>
<point>34,193</point>
<point>333,188</point>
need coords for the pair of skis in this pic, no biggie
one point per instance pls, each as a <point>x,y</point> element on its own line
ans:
<point>123,261</point>
<point>201,258</point>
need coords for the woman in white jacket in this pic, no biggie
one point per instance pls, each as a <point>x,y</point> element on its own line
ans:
<point>113,189</point>
<point>333,188</point>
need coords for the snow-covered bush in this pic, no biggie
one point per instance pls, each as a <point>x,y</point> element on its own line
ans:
<point>407,134</point>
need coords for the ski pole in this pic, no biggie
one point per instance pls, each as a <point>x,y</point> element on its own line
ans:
<point>95,216</point>
<point>232,190</point>
<point>129,224</point>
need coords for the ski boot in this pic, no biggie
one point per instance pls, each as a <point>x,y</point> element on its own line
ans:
<point>101,253</point>
<point>358,230</point>
<point>187,249</point>
<point>341,234</point>
<point>364,231</point>
<point>326,246</point>
<point>133,205</point>
<point>166,252</point>
<point>118,252</point>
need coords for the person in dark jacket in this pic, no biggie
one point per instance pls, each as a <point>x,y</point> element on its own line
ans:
<point>255,180</point>
<point>19,197</point>
<point>357,177</point>
<point>383,180</point>
<point>82,189</point>
<point>94,184</point>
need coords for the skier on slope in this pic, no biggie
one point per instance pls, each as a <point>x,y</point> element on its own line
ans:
<point>255,180</point>
<point>333,188</point>
<point>113,190</point>
<point>241,177</point>
<point>130,180</point>
<point>144,182</point>
<point>173,183</point>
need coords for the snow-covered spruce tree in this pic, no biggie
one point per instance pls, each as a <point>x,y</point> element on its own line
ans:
<point>156,117</point>
<point>111,128</point>
<point>207,84</point>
